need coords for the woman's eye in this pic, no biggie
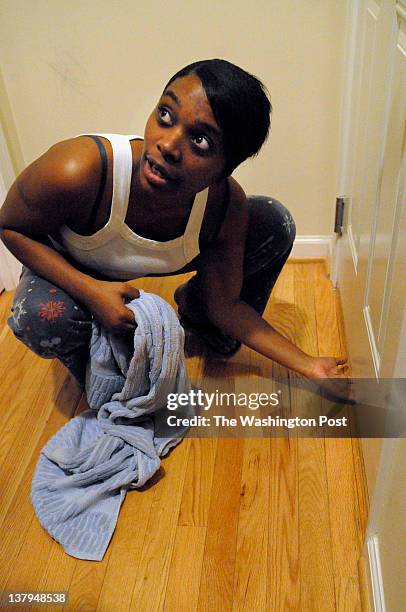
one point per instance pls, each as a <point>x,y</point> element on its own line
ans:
<point>201,142</point>
<point>164,115</point>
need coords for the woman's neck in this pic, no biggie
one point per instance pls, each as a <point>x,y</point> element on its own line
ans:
<point>178,201</point>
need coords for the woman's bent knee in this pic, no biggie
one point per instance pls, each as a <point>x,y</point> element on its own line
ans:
<point>270,221</point>
<point>270,236</point>
<point>46,319</point>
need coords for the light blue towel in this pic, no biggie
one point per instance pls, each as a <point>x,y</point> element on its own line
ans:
<point>86,468</point>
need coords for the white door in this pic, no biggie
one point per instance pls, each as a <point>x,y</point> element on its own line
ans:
<point>372,182</point>
<point>370,264</point>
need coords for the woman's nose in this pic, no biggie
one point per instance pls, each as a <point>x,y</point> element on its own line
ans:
<point>169,147</point>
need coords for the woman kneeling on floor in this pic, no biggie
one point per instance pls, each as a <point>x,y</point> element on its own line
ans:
<point>96,211</point>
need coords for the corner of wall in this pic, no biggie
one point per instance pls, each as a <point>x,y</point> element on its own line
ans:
<point>9,130</point>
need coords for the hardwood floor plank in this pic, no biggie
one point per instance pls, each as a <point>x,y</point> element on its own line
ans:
<point>31,559</point>
<point>328,337</point>
<point>153,570</point>
<point>12,352</point>
<point>126,548</point>
<point>194,507</point>
<point>86,584</point>
<point>364,583</point>
<point>358,461</point>
<point>343,503</point>
<point>317,592</point>
<point>57,571</point>
<point>283,547</point>
<point>18,383</point>
<point>216,587</point>
<point>315,548</point>
<point>361,490</point>
<point>18,510</point>
<point>316,560</point>
<point>36,401</point>
<point>284,289</point>
<point>348,593</point>
<point>251,563</point>
<point>343,507</point>
<point>282,316</point>
<point>316,557</point>
<point>185,571</point>
<point>305,321</point>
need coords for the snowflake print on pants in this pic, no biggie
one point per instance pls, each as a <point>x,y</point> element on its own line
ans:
<point>18,311</point>
<point>51,310</point>
<point>289,223</point>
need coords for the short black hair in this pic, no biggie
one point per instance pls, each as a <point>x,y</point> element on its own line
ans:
<point>240,104</point>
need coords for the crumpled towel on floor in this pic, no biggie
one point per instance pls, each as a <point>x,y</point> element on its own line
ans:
<point>86,468</point>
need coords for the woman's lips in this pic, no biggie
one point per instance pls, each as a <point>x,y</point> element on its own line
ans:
<point>154,174</point>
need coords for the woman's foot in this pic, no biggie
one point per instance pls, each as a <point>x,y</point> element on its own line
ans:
<point>220,343</point>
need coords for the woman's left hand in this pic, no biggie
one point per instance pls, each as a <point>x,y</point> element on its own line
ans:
<point>328,367</point>
<point>332,376</point>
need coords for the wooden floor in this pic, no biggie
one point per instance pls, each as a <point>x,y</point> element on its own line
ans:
<point>229,524</point>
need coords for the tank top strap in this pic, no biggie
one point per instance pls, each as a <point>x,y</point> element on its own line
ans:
<point>196,215</point>
<point>192,231</point>
<point>122,171</point>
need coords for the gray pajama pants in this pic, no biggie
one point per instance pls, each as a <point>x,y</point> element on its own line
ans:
<point>47,320</point>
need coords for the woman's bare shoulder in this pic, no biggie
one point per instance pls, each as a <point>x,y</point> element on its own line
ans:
<point>54,188</point>
<point>69,166</point>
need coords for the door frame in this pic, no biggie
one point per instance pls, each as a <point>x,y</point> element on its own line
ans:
<point>10,267</point>
<point>352,14</point>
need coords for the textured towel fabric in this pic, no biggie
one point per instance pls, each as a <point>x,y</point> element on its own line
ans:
<point>86,468</point>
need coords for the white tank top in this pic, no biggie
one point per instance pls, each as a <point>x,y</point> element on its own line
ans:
<point>118,252</point>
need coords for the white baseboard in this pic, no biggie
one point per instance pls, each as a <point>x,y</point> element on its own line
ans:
<point>312,246</point>
<point>375,575</point>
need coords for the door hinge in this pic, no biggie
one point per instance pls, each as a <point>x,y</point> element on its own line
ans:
<point>338,222</point>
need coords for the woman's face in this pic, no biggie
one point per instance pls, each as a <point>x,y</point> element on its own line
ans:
<point>183,148</point>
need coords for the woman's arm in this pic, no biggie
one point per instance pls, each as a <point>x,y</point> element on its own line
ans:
<point>48,194</point>
<point>221,277</point>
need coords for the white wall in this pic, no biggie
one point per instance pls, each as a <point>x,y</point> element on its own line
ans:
<point>99,65</point>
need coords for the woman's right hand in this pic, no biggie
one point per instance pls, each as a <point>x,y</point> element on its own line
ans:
<point>106,302</point>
